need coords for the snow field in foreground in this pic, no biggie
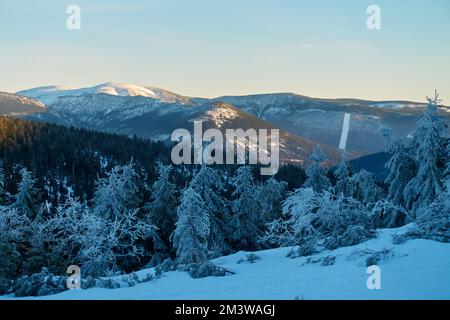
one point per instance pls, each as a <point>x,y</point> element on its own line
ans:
<point>417,269</point>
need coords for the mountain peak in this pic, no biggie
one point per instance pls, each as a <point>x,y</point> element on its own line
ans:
<point>50,94</point>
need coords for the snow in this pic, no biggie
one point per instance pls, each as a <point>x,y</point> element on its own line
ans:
<point>417,269</point>
<point>50,94</point>
<point>396,105</point>
<point>222,114</point>
<point>20,99</point>
<point>345,130</point>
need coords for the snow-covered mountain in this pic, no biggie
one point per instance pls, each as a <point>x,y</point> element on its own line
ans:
<point>154,113</point>
<point>322,119</point>
<point>50,94</point>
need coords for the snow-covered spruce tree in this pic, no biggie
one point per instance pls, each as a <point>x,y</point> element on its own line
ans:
<point>364,188</point>
<point>15,232</point>
<point>162,207</point>
<point>25,197</point>
<point>270,195</point>
<point>317,174</point>
<point>402,169</point>
<point>190,237</point>
<point>428,147</point>
<point>116,193</point>
<point>245,218</point>
<point>343,173</point>
<point>210,186</point>
<point>434,220</point>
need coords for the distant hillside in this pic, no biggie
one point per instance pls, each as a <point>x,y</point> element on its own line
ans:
<point>17,105</point>
<point>374,163</point>
<point>62,157</point>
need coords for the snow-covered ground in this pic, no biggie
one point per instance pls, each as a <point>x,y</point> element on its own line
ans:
<point>417,269</point>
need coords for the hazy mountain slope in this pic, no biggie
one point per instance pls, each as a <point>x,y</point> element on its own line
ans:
<point>155,113</point>
<point>322,119</point>
<point>17,105</point>
<point>293,149</point>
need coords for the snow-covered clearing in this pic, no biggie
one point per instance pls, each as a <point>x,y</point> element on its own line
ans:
<point>345,130</point>
<point>417,269</point>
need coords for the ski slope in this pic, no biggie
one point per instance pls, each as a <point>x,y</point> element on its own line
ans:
<point>417,269</point>
<point>345,130</point>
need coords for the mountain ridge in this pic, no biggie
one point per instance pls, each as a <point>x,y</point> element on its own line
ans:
<point>153,113</point>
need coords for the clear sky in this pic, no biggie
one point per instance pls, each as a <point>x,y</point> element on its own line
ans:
<point>209,48</point>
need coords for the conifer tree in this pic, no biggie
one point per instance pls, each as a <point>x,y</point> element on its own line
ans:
<point>245,219</point>
<point>25,198</point>
<point>210,187</point>
<point>428,149</point>
<point>190,237</point>
<point>317,174</point>
<point>343,173</point>
<point>162,207</point>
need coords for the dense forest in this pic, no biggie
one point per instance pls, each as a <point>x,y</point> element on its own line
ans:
<point>113,204</point>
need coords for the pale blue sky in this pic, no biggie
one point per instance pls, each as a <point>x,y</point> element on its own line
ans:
<point>210,48</point>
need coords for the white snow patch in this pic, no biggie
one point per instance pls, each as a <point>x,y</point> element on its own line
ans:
<point>345,130</point>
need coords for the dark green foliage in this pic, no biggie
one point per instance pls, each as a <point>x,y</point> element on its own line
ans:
<point>60,156</point>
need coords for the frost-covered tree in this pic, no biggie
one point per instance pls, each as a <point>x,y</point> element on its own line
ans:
<point>116,193</point>
<point>61,233</point>
<point>108,246</point>
<point>15,232</point>
<point>245,220</point>
<point>296,226</point>
<point>190,237</point>
<point>270,195</point>
<point>343,173</point>
<point>102,246</point>
<point>25,200</point>
<point>428,147</point>
<point>386,214</point>
<point>434,220</point>
<point>162,207</point>
<point>363,187</point>
<point>312,216</point>
<point>210,186</point>
<point>401,168</point>
<point>446,180</point>
<point>316,172</point>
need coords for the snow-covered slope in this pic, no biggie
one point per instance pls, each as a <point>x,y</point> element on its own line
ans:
<point>17,105</point>
<point>50,94</point>
<point>322,119</point>
<point>150,112</point>
<point>155,113</point>
<point>417,269</point>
